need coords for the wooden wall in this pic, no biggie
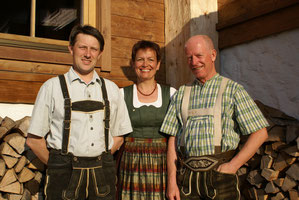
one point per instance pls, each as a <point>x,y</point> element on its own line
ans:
<point>22,71</point>
<point>133,20</point>
<point>183,20</point>
<point>241,21</point>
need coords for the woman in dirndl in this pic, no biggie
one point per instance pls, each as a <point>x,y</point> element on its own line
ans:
<point>142,174</point>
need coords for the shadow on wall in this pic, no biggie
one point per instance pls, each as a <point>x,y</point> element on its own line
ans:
<point>174,70</point>
<point>177,70</point>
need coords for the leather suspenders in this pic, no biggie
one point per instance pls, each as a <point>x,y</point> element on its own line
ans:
<point>85,106</point>
<point>107,112</point>
<point>67,115</point>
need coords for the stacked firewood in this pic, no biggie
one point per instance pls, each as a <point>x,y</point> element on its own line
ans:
<point>22,173</point>
<point>273,172</point>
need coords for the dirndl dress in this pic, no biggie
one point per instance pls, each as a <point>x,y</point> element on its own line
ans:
<point>143,174</point>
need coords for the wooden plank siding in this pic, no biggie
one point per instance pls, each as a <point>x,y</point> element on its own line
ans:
<point>241,21</point>
<point>23,71</point>
<point>132,21</point>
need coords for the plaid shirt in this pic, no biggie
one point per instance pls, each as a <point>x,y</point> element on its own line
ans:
<point>239,115</point>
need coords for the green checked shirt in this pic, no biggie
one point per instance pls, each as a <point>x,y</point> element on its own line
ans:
<point>240,115</point>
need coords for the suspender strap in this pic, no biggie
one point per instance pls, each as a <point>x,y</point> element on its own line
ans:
<point>107,113</point>
<point>185,107</point>
<point>67,115</point>
<point>215,111</point>
<point>217,116</point>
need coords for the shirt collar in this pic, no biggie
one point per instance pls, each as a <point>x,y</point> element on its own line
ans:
<point>73,76</point>
<point>197,82</point>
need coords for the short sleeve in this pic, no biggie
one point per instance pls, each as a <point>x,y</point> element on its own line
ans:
<point>41,114</point>
<point>171,123</point>
<point>121,123</point>
<point>248,115</point>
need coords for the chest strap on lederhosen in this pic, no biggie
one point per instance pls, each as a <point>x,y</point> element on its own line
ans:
<point>85,106</point>
<point>215,111</point>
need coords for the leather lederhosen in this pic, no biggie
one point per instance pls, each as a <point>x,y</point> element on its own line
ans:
<point>197,176</point>
<point>71,177</point>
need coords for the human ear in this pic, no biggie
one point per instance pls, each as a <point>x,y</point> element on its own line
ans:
<point>213,55</point>
<point>71,49</point>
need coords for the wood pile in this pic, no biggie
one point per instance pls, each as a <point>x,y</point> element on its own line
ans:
<point>273,172</point>
<point>22,173</point>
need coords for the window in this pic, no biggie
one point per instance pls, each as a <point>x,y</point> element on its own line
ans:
<point>46,24</point>
<point>46,19</point>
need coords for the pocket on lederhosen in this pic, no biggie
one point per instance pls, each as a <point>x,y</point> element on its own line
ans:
<point>58,174</point>
<point>226,185</point>
<point>100,170</point>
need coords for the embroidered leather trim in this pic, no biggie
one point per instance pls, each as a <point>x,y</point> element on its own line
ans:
<point>199,164</point>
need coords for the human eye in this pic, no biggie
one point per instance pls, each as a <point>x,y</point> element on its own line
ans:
<point>139,59</point>
<point>94,49</point>
<point>151,59</point>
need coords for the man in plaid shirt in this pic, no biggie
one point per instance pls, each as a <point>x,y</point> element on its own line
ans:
<point>205,120</point>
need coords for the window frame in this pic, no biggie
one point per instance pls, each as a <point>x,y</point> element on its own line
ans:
<point>96,13</point>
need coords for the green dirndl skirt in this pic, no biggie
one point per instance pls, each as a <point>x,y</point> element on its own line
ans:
<point>143,174</point>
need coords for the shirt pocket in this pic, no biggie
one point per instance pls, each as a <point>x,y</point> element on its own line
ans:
<point>199,131</point>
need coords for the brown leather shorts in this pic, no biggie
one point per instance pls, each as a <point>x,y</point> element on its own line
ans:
<point>198,179</point>
<point>70,177</point>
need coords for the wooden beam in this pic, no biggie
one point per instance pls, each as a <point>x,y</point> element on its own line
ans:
<point>20,41</point>
<point>136,28</point>
<point>151,11</point>
<point>18,91</point>
<point>272,23</point>
<point>89,12</point>
<point>125,50</point>
<point>32,67</point>
<point>20,76</point>
<point>33,55</point>
<point>157,1</point>
<point>104,25</point>
<point>32,18</point>
<point>236,11</point>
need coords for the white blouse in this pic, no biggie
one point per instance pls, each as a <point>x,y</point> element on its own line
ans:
<point>157,103</point>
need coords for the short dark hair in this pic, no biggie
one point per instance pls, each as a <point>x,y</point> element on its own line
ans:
<point>89,30</point>
<point>145,44</point>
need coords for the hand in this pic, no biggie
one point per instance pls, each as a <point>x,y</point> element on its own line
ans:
<point>173,192</point>
<point>227,168</point>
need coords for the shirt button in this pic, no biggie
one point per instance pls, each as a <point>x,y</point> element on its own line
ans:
<point>92,144</point>
<point>90,116</point>
<point>89,95</point>
<point>91,128</point>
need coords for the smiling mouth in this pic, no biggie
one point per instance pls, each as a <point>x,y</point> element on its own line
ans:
<point>86,62</point>
<point>197,68</point>
<point>145,70</point>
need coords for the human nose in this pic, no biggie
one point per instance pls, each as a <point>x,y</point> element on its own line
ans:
<point>87,53</point>
<point>193,60</point>
<point>145,63</point>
